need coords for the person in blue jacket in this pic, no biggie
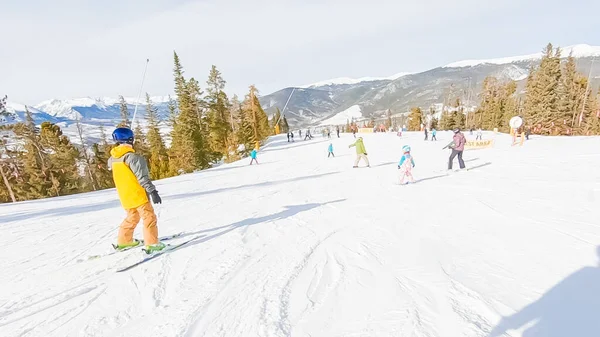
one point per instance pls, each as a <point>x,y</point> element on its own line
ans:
<point>433,134</point>
<point>330,149</point>
<point>406,165</point>
<point>253,156</point>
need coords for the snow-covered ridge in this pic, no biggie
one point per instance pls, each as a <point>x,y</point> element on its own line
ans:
<point>348,80</point>
<point>578,51</point>
<point>65,108</point>
<point>342,117</point>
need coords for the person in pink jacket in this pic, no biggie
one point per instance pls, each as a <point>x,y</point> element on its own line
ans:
<point>458,146</point>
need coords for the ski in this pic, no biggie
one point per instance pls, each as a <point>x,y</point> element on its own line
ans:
<point>478,166</point>
<point>168,248</point>
<point>115,251</point>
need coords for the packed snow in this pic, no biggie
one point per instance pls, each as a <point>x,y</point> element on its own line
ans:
<point>348,80</point>
<point>305,245</point>
<point>578,51</point>
<point>341,118</point>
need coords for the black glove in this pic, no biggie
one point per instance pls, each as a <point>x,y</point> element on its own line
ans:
<point>155,197</point>
<point>365,153</point>
<point>398,167</point>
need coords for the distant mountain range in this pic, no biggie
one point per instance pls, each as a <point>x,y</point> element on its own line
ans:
<point>332,101</point>
<point>337,100</point>
<point>92,112</point>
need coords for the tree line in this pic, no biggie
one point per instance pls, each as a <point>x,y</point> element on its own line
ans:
<point>206,128</point>
<point>556,100</point>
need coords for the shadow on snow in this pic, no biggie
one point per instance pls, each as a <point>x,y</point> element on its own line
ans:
<point>570,308</point>
<point>266,183</point>
<point>78,210</point>
<point>289,211</point>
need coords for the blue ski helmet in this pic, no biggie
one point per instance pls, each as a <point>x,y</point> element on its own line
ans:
<point>123,135</point>
<point>406,148</point>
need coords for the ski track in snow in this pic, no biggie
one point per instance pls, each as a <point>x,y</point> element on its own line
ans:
<point>303,245</point>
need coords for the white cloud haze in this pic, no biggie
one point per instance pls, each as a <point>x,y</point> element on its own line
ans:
<point>73,48</point>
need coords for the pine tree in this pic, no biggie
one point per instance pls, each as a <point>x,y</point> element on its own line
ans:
<point>87,161</point>
<point>172,107</point>
<point>592,123</point>
<point>62,157</point>
<point>285,126</point>
<point>5,172</point>
<point>124,113</point>
<point>158,160</point>
<point>35,162</point>
<point>4,115</point>
<point>101,154</point>
<point>140,144</point>
<point>542,99</point>
<point>188,150</point>
<point>509,105</point>
<point>458,116</point>
<point>498,104</point>
<point>276,120</point>
<point>388,121</point>
<point>242,126</point>
<point>415,119</point>
<point>103,138</point>
<point>197,104</point>
<point>12,161</point>
<point>219,114</point>
<point>569,92</point>
<point>434,123</point>
<point>255,117</point>
<point>99,160</point>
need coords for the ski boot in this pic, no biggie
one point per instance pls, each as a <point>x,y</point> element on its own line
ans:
<point>127,246</point>
<point>154,248</point>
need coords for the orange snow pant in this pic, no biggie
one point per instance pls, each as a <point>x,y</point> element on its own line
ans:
<point>146,212</point>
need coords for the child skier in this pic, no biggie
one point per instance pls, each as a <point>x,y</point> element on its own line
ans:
<point>253,155</point>
<point>330,149</point>
<point>132,180</point>
<point>433,134</point>
<point>406,165</point>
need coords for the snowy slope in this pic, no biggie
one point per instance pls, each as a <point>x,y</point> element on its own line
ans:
<point>578,51</point>
<point>343,117</point>
<point>303,245</point>
<point>348,80</point>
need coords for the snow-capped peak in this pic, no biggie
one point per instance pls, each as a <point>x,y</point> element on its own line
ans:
<point>580,50</point>
<point>65,108</point>
<point>348,80</point>
<point>13,107</point>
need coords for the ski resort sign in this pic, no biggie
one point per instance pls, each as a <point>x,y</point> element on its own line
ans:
<point>479,144</point>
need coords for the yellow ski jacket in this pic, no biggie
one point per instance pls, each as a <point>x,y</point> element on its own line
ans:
<point>131,176</point>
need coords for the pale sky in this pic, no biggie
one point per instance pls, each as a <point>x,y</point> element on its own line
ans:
<point>78,48</point>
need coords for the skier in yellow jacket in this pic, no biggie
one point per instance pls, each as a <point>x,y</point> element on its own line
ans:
<point>132,180</point>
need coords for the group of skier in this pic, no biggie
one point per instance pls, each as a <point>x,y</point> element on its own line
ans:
<point>433,134</point>
<point>308,135</point>
<point>136,191</point>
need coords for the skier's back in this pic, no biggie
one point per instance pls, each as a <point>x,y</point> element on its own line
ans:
<point>406,165</point>
<point>133,184</point>
<point>330,150</point>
